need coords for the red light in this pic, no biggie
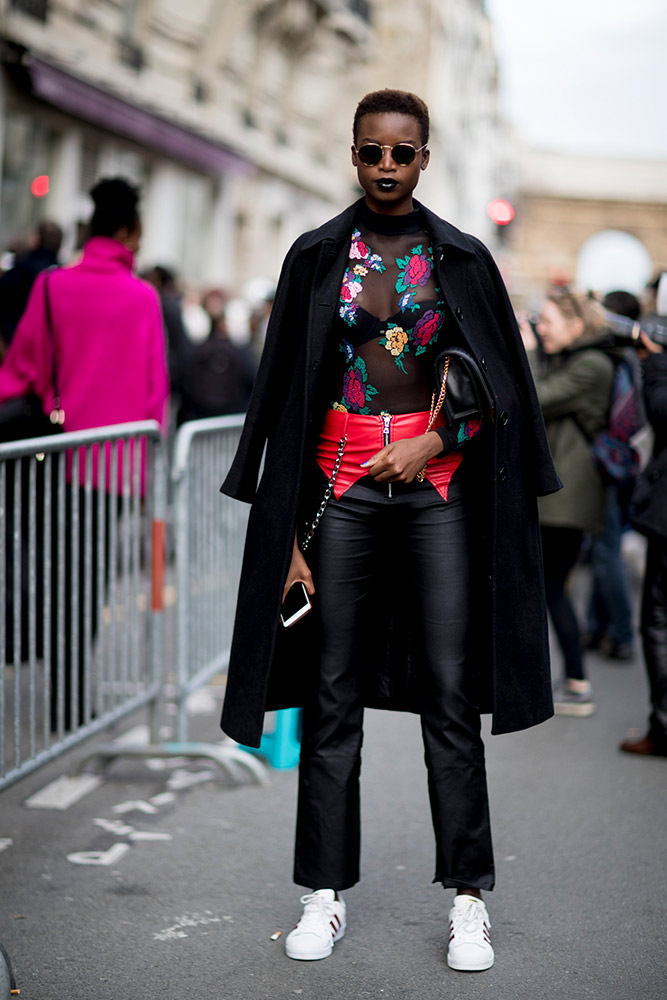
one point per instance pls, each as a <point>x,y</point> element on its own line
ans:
<point>500,211</point>
<point>40,186</point>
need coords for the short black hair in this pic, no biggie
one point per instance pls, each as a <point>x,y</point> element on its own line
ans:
<point>116,202</point>
<point>388,101</point>
<point>622,303</point>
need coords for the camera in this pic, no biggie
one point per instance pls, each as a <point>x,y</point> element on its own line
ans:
<point>626,331</point>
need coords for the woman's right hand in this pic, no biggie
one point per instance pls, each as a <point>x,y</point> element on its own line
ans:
<point>298,572</point>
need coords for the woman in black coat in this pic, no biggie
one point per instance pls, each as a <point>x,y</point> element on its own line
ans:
<point>425,567</point>
<point>649,516</point>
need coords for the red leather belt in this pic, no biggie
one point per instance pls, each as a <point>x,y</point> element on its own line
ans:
<point>366,435</point>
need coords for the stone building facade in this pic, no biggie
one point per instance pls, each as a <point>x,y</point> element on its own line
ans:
<point>234,116</point>
<point>567,206</point>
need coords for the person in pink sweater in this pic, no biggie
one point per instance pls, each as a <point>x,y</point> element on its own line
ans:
<point>107,328</point>
<point>108,339</point>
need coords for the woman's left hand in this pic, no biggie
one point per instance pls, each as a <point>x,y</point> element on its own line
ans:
<point>400,461</point>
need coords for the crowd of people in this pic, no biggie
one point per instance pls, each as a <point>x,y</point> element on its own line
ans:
<point>211,367</point>
<point>401,491</point>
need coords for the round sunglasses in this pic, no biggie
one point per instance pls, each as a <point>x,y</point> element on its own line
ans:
<point>370,153</point>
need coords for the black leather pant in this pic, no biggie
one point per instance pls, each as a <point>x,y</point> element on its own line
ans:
<point>560,548</point>
<point>654,636</point>
<point>428,540</point>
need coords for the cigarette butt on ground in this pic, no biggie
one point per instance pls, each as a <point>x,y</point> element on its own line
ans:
<point>274,937</point>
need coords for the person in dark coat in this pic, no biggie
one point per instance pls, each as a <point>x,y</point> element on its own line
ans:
<point>649,516</point>
<point>574,390</point>
<point>16,284</point>
<point>424,569</point>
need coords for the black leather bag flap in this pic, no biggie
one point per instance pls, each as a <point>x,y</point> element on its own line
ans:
<point>468,395</point>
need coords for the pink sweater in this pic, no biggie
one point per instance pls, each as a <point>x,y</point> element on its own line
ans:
<point>109,342</point>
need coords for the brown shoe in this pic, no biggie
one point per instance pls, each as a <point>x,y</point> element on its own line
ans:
<point>644,746</point>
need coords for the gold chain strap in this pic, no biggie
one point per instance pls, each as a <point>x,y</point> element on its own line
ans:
<point>435,410</point>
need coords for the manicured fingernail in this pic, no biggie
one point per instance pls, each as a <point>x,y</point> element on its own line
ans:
<point>363,464</point>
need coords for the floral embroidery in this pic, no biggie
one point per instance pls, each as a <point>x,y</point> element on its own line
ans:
<point>351,286</point>
<point>356,390</point>
<point>414,269</point>
<point>396,342</point>
<point>358,249</point>
<point>468,429</point>
<point>425,329</point>
<point>376,263</point>
<point>407,301</point>
<point>339,407</point>
<point>348,312</point>
<point>347,350</point>
<point>352,278</point>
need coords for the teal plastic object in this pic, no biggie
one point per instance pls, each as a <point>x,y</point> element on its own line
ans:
<point>281,746</point>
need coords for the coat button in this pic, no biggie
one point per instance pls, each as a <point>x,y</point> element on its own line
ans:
<point>502,474</point>
<point>482,362</point>
<point>315,365</point>
<point>458,312</point>
<point>504,418</point>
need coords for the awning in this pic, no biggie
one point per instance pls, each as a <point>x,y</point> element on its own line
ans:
<point>114,114</point>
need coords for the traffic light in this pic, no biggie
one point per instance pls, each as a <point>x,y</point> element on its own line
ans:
<point>40,186</point>
<point>501,212</point>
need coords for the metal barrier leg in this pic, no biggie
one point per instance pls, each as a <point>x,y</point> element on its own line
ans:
<point>229,759</point>
<point>7,981</point>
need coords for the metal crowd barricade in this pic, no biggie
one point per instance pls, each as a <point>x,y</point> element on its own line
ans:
<point>209,534</point>
<point>82,518</point>
<point>82,557</point>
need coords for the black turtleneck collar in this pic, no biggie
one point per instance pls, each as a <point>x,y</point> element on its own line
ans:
<point>389,225</point>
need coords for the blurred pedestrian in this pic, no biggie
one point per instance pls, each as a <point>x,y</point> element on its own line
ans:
<point>574,390</point>
<point>650,518</point>
<point>164,281</point>
<point>16,284</point>
<point>105,327</point>
<point>215,377</point>
<point>609,614</point>
<point>418,602</point>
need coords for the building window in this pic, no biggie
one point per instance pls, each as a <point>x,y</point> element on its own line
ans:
<point>131,55</point>
<point>27,155</point>
<point>39,9</point>
<point>361,8</point>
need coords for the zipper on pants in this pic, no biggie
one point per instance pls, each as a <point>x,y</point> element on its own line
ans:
<point>386,422</point>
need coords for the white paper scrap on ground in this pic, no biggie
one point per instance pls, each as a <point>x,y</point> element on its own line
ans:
<point>114,826</point>
<point>187,920</point>
<point>149,835</point>
<point>133,805</point>
<point>5,842</point>
<point>163,799</point>
<point>183,779</point>
<point>64,792</point>
<point>110,857</point>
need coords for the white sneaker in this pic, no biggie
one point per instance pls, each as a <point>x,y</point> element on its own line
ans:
<point>469,938</point>
<point>322,923</point>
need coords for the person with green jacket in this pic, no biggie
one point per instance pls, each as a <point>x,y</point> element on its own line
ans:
<point>574,383</point>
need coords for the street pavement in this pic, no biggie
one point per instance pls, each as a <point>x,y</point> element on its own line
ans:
<point>578,911</point>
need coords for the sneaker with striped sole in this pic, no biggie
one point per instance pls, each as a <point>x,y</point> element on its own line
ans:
<point>469,936</point>
<point>321,925</point>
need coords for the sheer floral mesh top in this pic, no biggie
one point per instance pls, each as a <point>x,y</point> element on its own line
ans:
<point>389,321</point>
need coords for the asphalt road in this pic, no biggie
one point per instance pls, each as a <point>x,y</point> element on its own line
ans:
<point>578,911</point>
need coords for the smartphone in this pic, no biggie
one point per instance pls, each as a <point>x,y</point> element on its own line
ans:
<point>296,605</point>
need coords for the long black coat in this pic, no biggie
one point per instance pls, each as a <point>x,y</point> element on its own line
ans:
<point>649,500</point>
<point>507,468</point>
